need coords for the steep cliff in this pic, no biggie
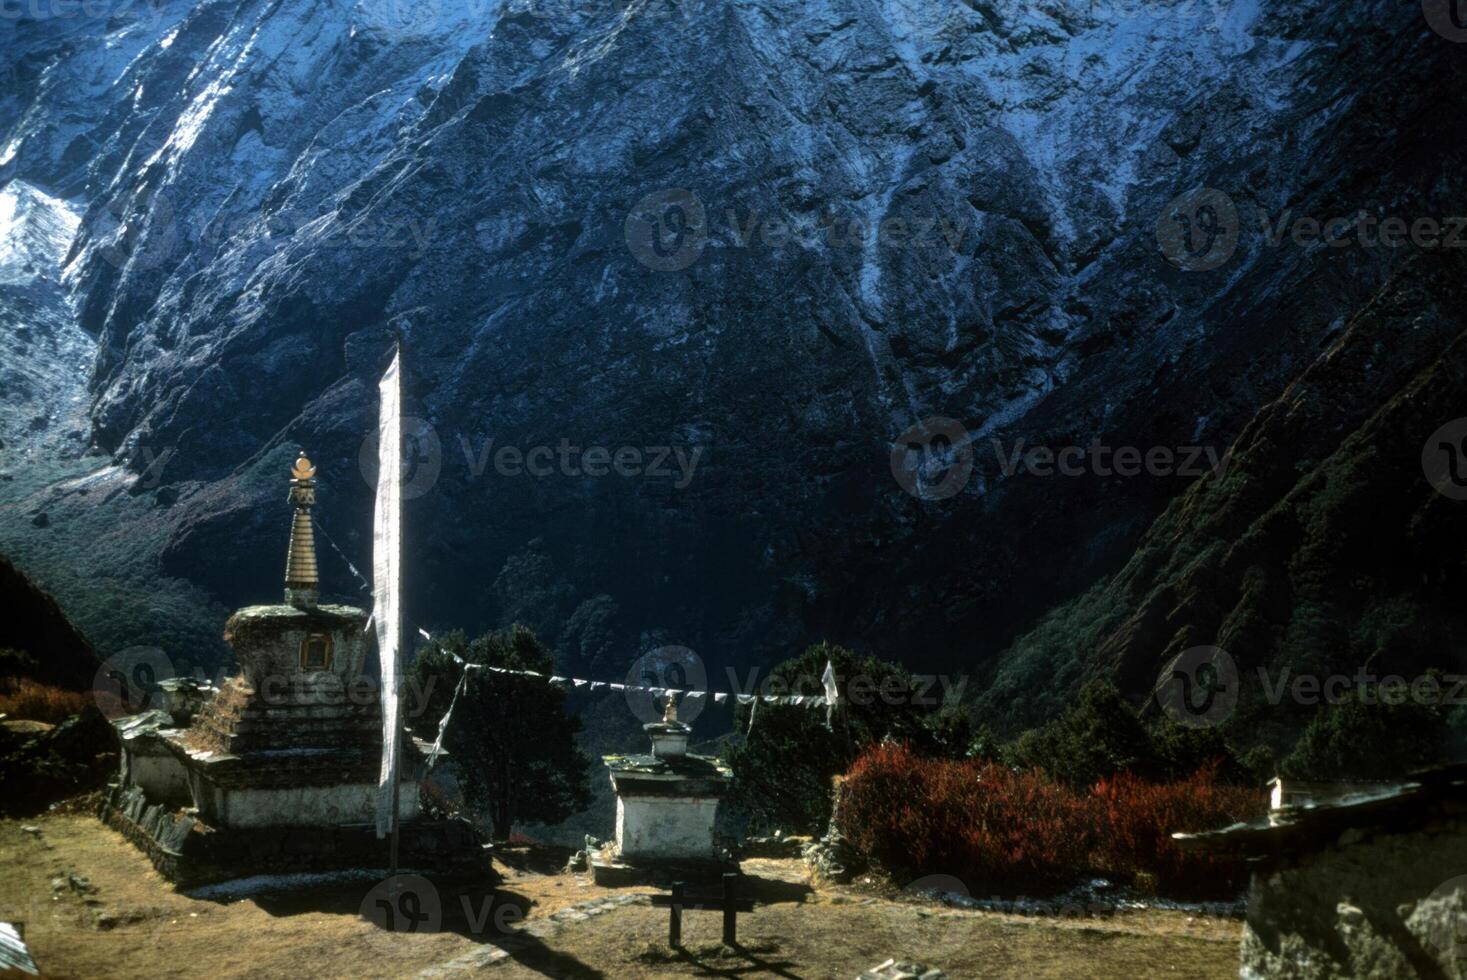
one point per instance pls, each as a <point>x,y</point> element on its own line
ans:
<point>751,244</point>
<point>1332,548</point>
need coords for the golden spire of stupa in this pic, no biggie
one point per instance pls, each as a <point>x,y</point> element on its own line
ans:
<point>302,587</point>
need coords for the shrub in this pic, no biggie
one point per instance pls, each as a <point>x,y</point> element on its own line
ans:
<point>990,826</point>
<point>24,698</point>
<point>998,829</point>
<point>1137,819</point>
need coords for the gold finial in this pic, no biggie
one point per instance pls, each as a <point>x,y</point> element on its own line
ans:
<point>669,712</point>
<point>303,470</point>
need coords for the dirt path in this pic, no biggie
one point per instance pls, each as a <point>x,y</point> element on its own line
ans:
<point>93,907</point>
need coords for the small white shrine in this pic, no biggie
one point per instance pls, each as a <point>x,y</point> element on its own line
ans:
<point>666,807</point>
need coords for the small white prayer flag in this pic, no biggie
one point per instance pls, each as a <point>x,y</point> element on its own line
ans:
<point>832,691</point>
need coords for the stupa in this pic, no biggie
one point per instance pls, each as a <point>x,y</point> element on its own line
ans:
<point>666,810</point>
<point>278,771</point>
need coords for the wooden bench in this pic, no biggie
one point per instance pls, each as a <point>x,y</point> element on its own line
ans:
<point>726,902</point>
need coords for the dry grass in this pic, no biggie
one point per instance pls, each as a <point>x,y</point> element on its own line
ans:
<point>132,924</point>
<point>24,698</point>
<point>206,734</point>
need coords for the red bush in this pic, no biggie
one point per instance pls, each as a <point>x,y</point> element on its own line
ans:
<point>982,822</point>
<point>25,698</point>
<point>1140,817</point>
<point>1001,830</point>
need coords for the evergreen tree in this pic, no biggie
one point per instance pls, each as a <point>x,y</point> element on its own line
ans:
<point>1102,735</point>
<point>783,771</point>
<point>513,742</point>
<point>1375,734</point>
<point>1098,737</point>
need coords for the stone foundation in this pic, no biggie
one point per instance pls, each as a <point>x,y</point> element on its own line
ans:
<point>189,852</point>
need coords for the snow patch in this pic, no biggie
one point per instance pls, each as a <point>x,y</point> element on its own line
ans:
<point>36,230</point>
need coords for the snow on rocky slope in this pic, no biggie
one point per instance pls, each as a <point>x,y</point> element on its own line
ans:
<point>868,213</point>
<point>45,358</point>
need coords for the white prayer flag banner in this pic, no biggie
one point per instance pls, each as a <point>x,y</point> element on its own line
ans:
<point>443,723</point>
<point>387,581</point>
<point>832,691</point>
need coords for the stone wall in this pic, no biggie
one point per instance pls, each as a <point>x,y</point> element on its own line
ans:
<point>1377,903</point>
<point>157,772</point>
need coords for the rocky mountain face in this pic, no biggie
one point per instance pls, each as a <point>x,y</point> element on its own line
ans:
<point>751,252</point>
<point>46,355</point>
<point>1330,549</point>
